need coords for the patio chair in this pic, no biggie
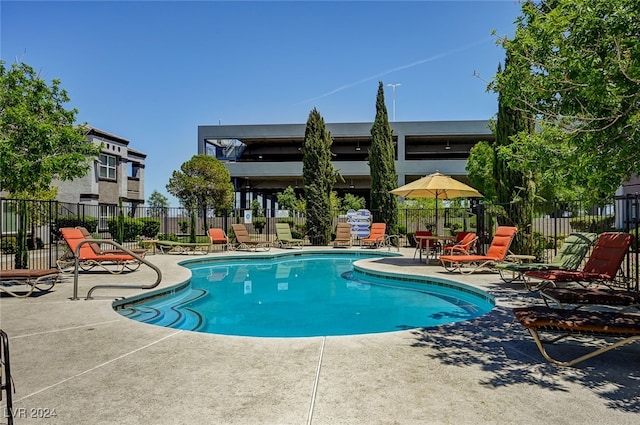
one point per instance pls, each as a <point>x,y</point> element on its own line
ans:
<point>98,249</point>
<point>41,279</point>
<point>183,247</point>
<point>465,244</point>
<point>498,250</point>
<point>244,241</point>
<point>601,267</point>
<point>284,237</point>
<point>569,257</point>
<point>88,259</point>
<point>424,246</point>
<point>343,235</point>
<point>376,236</point>
<point>218,237</point>
<point>603,324</point>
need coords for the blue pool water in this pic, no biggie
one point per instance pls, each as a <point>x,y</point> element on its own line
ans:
<point>306,295</point>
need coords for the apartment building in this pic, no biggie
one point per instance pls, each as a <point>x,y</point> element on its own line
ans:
<point>265,159</point>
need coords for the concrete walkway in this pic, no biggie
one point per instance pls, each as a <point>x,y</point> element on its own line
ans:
<point>86,364</point>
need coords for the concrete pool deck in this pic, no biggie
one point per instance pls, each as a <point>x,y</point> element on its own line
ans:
<point>89,365</point>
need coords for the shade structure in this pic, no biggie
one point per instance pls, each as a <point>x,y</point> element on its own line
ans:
<point>438,186</point>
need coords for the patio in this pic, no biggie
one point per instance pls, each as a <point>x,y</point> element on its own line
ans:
<point>92,366</point>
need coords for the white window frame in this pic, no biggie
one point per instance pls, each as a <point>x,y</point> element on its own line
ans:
<point>108,168</point>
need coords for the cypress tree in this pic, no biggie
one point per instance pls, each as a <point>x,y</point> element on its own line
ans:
<point>319,177</point>
<point>384,177</point>
<point>513,187</point>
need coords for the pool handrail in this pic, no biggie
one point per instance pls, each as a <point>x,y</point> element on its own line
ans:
<point>117,245</point>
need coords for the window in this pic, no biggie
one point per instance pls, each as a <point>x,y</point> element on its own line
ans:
<point>107,167</point>
<point>106,212</point>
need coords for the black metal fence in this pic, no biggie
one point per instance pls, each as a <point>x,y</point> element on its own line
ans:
<point>549,222</point>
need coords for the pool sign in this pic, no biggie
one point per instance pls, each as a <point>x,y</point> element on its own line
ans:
<point>360,221</point>
<point>247,217</point>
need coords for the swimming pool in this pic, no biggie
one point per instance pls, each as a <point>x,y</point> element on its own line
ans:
<point>305,294</point>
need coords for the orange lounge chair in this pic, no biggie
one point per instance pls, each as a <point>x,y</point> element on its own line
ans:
<point>605,324</point>
<point>244,240</point>
<point>217,236</point>
<point>601,267</point>
<point>376,237</point>
<point>343,235</point>
<point>88,259</point>
<point>40,279</point>
<point>497,252</point>
<point>98,249</point>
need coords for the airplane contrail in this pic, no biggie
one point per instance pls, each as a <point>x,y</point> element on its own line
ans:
<point>399,68</point>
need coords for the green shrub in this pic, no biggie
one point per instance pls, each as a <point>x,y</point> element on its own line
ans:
<point>259,223</point>
<point>8,245</point>
<point>184,226</point>
<point>589,223</point>
<point>89,223</point>
<point>168,237</point>
<point>132,228</point>
<point>150,227</point>
<point>37,244</point>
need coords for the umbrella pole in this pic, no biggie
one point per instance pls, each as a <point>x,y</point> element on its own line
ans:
<point>435,231</point>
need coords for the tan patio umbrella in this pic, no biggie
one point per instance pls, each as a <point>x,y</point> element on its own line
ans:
<point>438,186</point>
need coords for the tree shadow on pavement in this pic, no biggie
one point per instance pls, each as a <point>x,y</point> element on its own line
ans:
<point>497,344</point>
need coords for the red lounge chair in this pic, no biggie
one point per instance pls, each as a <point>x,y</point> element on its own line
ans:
<point>605,324</point>
<point>376,236</point>
<point>497,252</point>
<point>601,267</point>
<point>464,245</point>
<point>88,259</point>
<point>40,279</point>
<point>217,236</point>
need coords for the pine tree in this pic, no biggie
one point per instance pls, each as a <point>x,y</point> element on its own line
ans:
<point>319,177</point>
<point>384,177</point>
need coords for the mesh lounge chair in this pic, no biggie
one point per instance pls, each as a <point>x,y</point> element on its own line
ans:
<point>217,236</point>
<point>88,259</point>
<point>601,268</point>
<point>605,324</point>
<point>343,235</point>
<point>244,241</point>
<point>496,253</point>
<point>376,236</point>
<point>569,257</point>
<point>284,237</point>
<point>32,279</point>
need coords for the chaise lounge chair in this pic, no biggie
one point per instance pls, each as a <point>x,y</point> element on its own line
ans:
<point>601,267</point>
<point>496,253</point>
<point>244,241</point>
<point>569,257</point>
<point>88,259</point>
<point>218,237</point>
<point>343,235</point>
<point>98,249</point>
<point>377,237</point>
<point>463,246</point>
<point>40,279</point>
<point>604,324</point>
<point>284,237</point>
<point>179,247</point>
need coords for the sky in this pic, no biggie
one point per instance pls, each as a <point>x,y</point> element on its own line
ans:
<point>153,71</point>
